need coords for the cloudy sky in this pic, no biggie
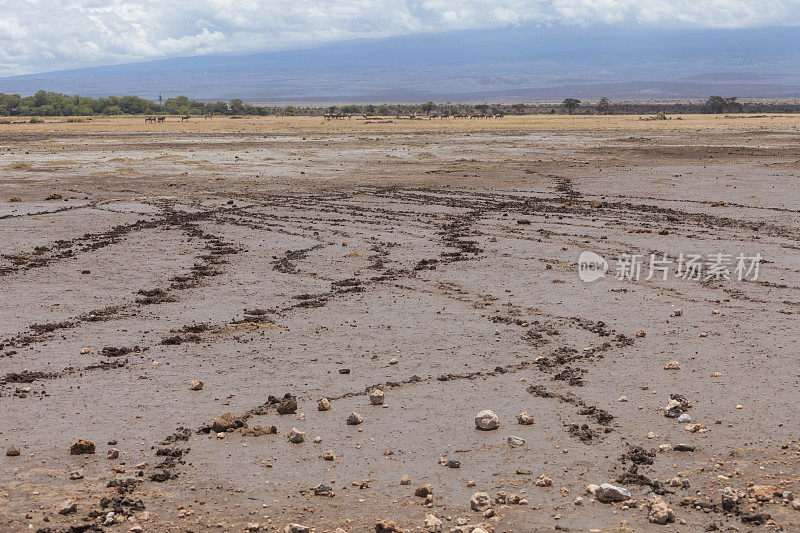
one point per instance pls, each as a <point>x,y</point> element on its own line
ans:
<point>44,35</point>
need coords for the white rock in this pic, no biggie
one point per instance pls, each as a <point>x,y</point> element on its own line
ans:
<point>432,523</point>
<point>608,493</point>
<point>487,420</point>
<point>376,397</point>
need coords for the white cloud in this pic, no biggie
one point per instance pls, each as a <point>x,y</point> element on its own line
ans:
<point>41,35</point>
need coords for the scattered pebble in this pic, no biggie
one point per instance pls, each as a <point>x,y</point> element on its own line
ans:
<point>423,490</point>
<point>113,453</point>
<point>196,384</point>
<point>515,441</point>
<point>13,451</point>
<point>296,436</point>
<point>81,446</point>
<point>608,493</point>
<point>480,501</point>
<point>68,507</point>
<point>376,397</point>
<point>524,418</point>
<point>323,405</point>
<point>487,421</point>
<point>660,513</point>
<point>354,419</point>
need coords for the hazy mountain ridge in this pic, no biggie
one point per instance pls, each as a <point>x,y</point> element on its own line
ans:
<point>513,64</point>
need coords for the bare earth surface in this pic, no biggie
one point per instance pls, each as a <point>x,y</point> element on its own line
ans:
<point>435,260</point>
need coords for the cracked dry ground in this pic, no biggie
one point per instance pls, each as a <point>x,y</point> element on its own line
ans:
<point>265,264</point>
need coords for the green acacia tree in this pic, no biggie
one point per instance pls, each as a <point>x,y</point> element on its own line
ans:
<point>571,104</point>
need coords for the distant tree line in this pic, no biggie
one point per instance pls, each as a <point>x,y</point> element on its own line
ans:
<point>45,103</point>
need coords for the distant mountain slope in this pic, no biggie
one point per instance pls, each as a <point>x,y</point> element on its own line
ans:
<point>511,64</point>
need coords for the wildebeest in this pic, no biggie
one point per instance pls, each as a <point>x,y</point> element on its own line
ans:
<point>162,119</point>
<point>184,118</point>
<point>150,119</point>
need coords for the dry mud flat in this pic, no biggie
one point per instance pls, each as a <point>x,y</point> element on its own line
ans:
<point>437,266</point>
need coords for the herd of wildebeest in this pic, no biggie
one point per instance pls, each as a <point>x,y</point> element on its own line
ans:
<point>335,116</point>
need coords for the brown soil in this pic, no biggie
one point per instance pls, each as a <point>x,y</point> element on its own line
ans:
<point>434,260</point>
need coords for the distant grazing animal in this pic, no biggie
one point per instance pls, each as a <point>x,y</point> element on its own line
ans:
<point>149,119</point>
<point>184,118</point>
<point>162,119</point>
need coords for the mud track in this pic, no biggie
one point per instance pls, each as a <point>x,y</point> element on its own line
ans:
<point>331,266</point>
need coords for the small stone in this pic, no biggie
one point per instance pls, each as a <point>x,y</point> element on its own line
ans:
<point>578,500</point>
<point>113,453</point>
<point>196,384</point>
<point>452,463</point>
<point>296,528</point>
<point>81,446</point>
<point>405,480</point>
<point>68,507</point>
<point>84,351</point>
<point>651,435</point>
<point>387,526</point>
<point>684,418</point>
<point>641,333</point>
<point>740,406</point>
<point>515,441</point>
<point>672,365</point>
<point>423,490</point>
<point>354,419</point>
<point>696,428</point>
<point>287,405</point>
<point>344,371</point>
<point>796,505</point>
<point>432,524</point>
<point>592,489</point>
<point>488,513</point>
<point>225,422</point>
<point>75,475</point>
<point>608,493</point>
<point>664,448</point>
<point>220,435</point>
<point>525,418</point>
<point>763,493</point>
<point>329,456</point>
<point>544,481</point>
<point>660,513</point>
<point>393,361</point>
<point>677,312</point>
<point>376,397</point>
<point>487,421</point>
<point>13,451</point>
<point>324,490</point>
<point>622,399</point>
<point>136,529</point>
<point>252,526</point>
<point>296,436</point>
<point>323,405</point>
<point>683,448</point>
<point>480,501</point>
